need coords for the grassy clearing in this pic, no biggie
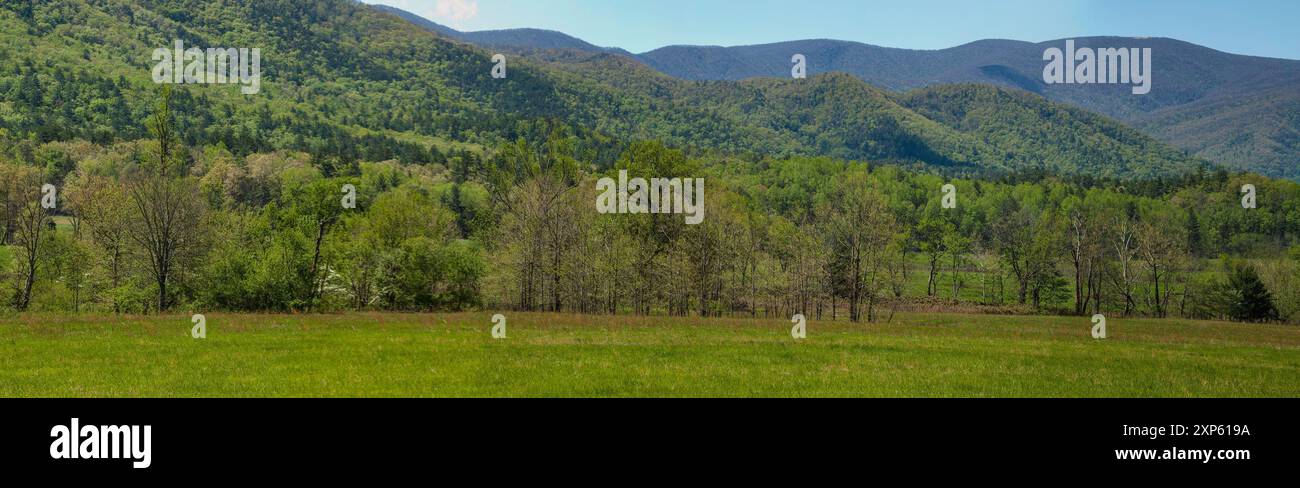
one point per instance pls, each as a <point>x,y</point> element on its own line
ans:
<point>394,355</point>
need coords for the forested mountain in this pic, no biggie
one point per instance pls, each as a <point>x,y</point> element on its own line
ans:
<point>1256,130</point>
<point>1238,111</point>
<point>1231,109</point>
<point>970,128</point>
<point>347,82</point>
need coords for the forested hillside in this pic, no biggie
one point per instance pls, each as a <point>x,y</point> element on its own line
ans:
<point>345,83</point>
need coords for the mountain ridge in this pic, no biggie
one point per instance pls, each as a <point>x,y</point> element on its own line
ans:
<point>516,37</point>
<point>1196,103</point>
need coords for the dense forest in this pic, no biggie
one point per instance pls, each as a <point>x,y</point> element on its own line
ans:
<point>155,224</point>
<point>824,196</point>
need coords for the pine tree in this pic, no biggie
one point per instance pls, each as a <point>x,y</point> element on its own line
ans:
<point>1194,239</point>
<point>1251,300</point>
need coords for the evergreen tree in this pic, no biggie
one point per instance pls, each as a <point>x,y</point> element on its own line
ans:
<point>21,7</point>
<point>1194,239</point>
<point>1251,300</point>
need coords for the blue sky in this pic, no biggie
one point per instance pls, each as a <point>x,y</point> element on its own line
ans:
<point>1256,27</point>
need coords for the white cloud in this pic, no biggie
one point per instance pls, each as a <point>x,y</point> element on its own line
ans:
<point>457,10</point>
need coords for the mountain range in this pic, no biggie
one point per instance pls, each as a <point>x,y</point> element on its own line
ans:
<point>1241,112</point>
<point>346,82</point>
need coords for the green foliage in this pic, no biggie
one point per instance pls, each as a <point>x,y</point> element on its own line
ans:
<point>1036,133</point>
<point>429,275</point>
<point>1282,276</point>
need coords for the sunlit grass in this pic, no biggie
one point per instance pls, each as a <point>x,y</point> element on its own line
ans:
<point>395,355</point>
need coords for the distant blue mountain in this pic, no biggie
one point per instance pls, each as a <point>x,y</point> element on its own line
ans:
<point>1239,111</point>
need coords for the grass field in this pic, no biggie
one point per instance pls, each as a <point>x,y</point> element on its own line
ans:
<point>394,355</point>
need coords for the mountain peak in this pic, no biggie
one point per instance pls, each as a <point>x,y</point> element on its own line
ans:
<point>526,38</point>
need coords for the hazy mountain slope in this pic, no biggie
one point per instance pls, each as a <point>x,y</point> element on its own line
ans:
<point>895,69</point>
<point>1185,72</point>
<point>1228,108</point>
<point>1260,131</point>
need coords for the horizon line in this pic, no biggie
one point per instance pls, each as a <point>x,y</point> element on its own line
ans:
<point>768,43</point>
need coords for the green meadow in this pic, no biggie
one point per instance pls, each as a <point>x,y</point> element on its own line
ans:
<point>548,355</point>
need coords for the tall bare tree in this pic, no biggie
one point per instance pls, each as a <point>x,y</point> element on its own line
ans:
<point>19,185</point>
<point>529,185</point>
<point>1084,243</point>
<point>167,208</point>
<point>31,231</point>
<point>860,227</point>
<point>1123,245</point>
<point>1162,245</point>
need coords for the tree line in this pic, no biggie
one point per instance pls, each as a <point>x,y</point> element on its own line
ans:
<point>159,225</point>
